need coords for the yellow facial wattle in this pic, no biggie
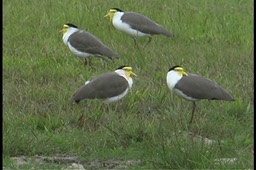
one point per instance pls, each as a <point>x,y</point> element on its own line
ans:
<point>110,14</point>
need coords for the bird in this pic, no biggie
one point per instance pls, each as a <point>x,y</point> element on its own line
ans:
<point>194,87</point>
<point>85,44</point>
<point>109,87</point>
<point>135,24</point>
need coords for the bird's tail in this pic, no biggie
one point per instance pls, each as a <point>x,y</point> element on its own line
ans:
<point>165,32</point>
<point>110,53</point>
<point>222,94</point>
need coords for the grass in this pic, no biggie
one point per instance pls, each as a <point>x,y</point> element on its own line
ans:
<point>212,38</point>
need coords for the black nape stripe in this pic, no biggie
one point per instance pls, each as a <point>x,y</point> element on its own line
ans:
<point>121,67</point>
<point>173,68</point>
<point>118,9</point>
<point>71,25</point>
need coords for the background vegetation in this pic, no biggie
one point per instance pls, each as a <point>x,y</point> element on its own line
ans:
<point>150,125</point>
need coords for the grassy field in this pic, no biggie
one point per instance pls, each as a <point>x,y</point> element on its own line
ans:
<point>148,129</point>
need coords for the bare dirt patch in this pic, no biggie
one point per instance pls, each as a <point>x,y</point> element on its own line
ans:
<point>73,162</point>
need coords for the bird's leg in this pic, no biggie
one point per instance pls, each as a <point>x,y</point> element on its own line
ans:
<point>87,62</point>
<point>193,110</point>
<point>149,40</point>
<point>82,120</point>
<point>135,42</point>
<point>106,108</point>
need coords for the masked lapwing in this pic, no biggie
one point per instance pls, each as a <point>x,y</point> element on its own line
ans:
<point>135,24</point>
<point>194,87</point>
<point>85,44</point>
<point>109,87</point>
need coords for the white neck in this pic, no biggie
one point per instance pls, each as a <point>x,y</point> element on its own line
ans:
<point>66,35</point>
<point>172,78</point>
<point>124,74</point>
<point>117,16</point>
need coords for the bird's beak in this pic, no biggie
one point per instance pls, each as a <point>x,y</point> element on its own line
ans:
<point>106,15</point>
<point>184,73</point>
<point>132,73</point>
<point>110,15</point>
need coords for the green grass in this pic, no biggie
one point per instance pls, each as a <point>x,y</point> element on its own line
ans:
<point>40,74</point>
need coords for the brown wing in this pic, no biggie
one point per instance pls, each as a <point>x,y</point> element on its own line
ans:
<point>144,24</point>
<point>202,88</point>
<point>86,42</point>
<point>102,87</point>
